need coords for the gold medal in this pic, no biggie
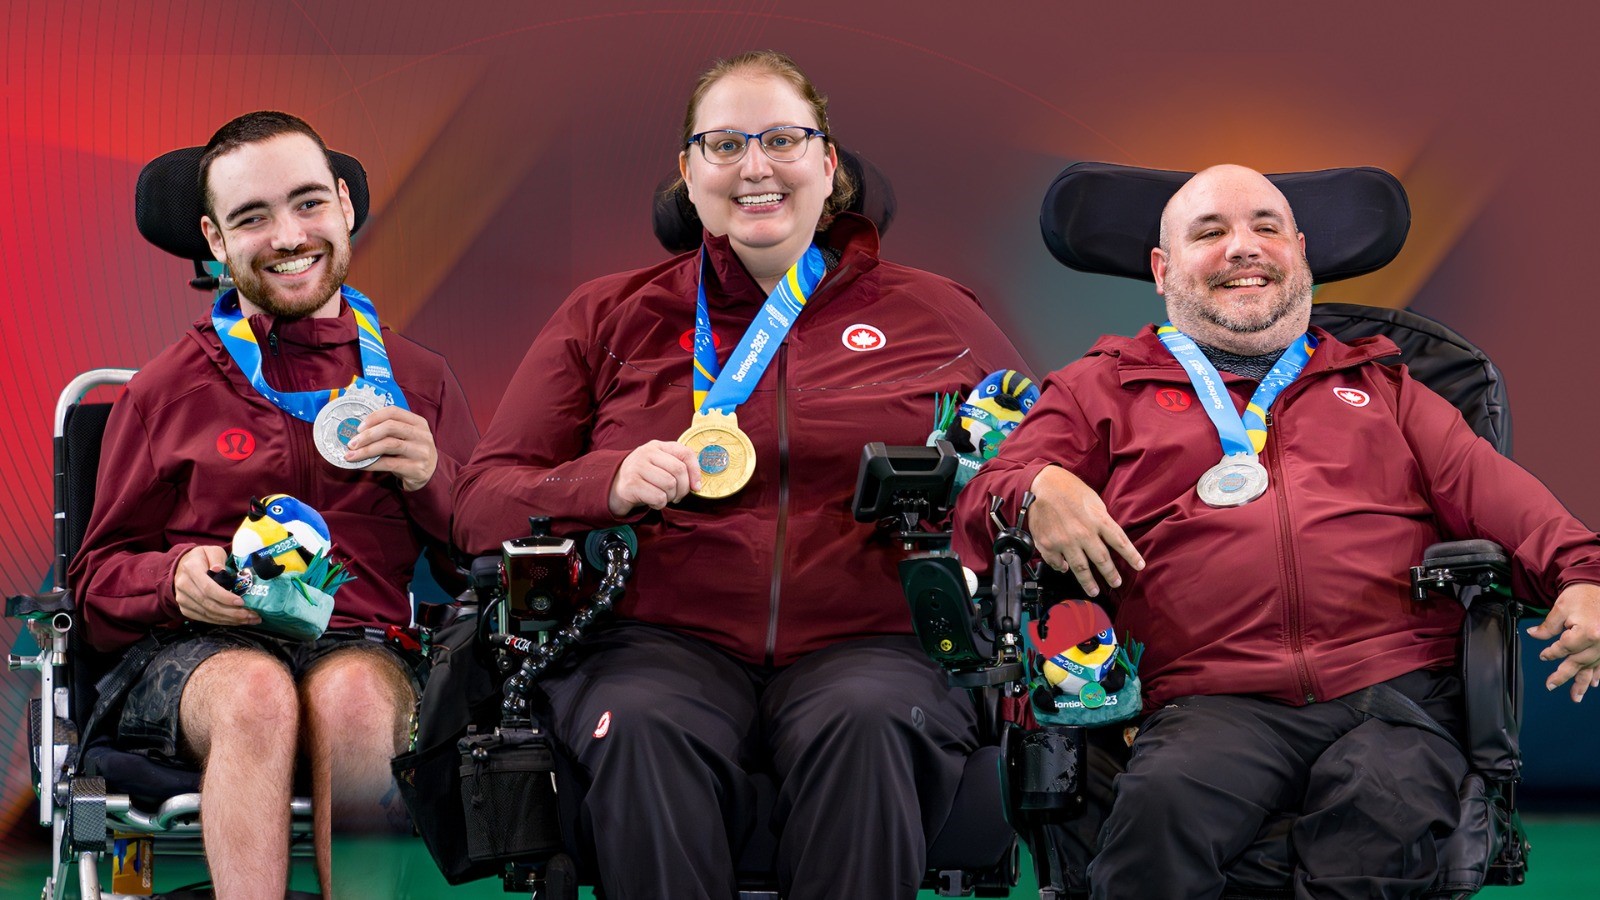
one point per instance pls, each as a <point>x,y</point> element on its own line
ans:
<point>725,455</point>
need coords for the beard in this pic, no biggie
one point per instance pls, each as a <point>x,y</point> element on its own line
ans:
<point>259,290</point>
<point>1190,304</point>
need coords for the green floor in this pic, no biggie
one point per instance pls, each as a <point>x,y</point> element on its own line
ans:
<point>1565,850</point>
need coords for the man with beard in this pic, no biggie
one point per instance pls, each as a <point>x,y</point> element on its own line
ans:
<point>1267,576</point>
<point>231,412</point>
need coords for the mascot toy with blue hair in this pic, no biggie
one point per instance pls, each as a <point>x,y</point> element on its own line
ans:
<point>280,564</point>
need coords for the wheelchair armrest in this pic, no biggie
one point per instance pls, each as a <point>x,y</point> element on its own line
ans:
<point>32,606</point>
<point>1447,567</point>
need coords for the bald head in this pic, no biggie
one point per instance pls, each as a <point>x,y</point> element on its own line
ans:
<point>1199,191</point>
<point>1232,264</point>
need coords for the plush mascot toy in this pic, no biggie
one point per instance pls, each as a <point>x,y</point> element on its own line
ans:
<point>279,564</point>
<point>1086,677</point>
<point>977,425</point>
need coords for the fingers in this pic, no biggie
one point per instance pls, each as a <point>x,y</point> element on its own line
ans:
<point>654,475</point>
<point>400,442</point>
<point>1075,533</point>
<point>1118,541</point>
<point>200,598</point>
<point>1553,624</point>
<point>390,431</point>
<point>1076,561</point>
<point>1582,677</point>
<point>691,463</point>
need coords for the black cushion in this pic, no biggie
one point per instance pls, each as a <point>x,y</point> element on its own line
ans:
<point>678,229</point>
<point>1105,219</point>
<point>168,205</point>
<point>1437,356</point>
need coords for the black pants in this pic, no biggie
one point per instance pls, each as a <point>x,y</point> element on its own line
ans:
<point>864,740</point>
<point>1366,798</point>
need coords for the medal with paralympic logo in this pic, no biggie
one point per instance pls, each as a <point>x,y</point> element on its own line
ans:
<point>337,423</point>
<point>724,454</point>
<point>1233,482</point>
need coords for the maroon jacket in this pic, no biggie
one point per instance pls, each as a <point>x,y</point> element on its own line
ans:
<point>780,569</point>
<point>1302,595</point>
<point>191,442</point>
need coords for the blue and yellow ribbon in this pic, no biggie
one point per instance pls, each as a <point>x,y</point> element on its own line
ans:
<point>1242,435</point>
<point>761,339</point>
<point>240,342</point>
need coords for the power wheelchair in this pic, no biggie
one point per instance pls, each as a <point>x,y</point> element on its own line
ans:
<point>493,794</point>
<point>1102,219</point>
<point>88,789</point>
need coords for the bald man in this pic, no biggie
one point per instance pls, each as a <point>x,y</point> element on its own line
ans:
<point>1251,492</point>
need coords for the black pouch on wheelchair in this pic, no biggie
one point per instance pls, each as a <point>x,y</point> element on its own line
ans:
<point>508,792</point>
<point>461,690</point>
<point>1047,768</point>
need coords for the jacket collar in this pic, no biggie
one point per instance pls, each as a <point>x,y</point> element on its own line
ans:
<point>1144,358</point>
<point>307,332</point>
<point>852,237</point>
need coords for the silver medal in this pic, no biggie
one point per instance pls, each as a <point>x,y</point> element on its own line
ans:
<point>337,422</point>
<point>1233,482</point>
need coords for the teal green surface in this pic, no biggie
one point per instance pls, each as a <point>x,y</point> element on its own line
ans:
<point>1564,852</point>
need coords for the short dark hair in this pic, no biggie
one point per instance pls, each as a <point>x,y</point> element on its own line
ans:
<point>253,128</point>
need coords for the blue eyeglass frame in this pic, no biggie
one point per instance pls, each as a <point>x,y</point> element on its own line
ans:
<point>757,137</point>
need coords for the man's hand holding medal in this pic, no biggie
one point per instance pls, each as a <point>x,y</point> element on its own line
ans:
<point>397,441</point>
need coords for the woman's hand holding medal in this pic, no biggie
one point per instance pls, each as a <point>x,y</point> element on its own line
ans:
<point>1073,531</point>
<point>654,475</point>
<point>399,442</point>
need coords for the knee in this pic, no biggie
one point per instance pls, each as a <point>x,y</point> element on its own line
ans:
<point>357,697</point>
<point>864,718</point>
<point>242,698</point>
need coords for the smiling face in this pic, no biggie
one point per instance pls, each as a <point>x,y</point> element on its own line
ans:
<point>281,221</point>
<point>1232,266</point>
<point>768,210</point>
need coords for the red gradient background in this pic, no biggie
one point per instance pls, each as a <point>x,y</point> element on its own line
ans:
<point>512,148</point>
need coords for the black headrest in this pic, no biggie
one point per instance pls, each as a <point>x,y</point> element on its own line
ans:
<point>168,205</point>
<point>678,228</point>
<point>1106,219</point>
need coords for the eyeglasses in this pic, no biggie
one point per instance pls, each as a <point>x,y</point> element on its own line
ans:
<point>785,143</point>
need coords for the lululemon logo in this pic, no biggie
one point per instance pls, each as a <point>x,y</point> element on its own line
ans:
<point>686,340</point>
<point>236,444</point>
<point>1352,396</point>
<point>1173,399</point>
<point>603,727</point>
<point>861,338</point>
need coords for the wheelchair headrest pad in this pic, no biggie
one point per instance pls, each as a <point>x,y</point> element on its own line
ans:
<point>168,205</point>
<point>678,228</point>
<point>1105,219</point>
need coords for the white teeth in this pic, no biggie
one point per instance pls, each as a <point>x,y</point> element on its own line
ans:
<point>294,266</point>
<point>754,199</point>
<point>1253,281</point>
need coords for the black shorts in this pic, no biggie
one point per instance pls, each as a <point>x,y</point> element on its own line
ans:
<point>150,715</point>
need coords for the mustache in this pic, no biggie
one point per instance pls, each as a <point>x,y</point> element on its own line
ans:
<point>273,257</point>
<point>1273,273</point>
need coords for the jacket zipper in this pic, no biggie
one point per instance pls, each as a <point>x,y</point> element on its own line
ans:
<point>1291,573</point>
<point>299,464</point>
<point>783,502</point>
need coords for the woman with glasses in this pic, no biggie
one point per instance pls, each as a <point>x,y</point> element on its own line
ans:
<point>719,402</point>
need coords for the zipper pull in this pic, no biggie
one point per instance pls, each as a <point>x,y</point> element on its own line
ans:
<point>272,341</point>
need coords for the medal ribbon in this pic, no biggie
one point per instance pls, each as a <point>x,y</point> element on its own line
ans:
<point>760,342</point>
<point>240,342</point>
<point>1241,435</point>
